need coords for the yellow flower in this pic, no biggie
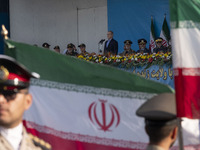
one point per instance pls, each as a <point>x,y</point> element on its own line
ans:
<point>144,57</point>
<point>113,57</point>
<point>149,56</point>
<point>165,55</point>
<point>80,56</point>
<point>131,56</point>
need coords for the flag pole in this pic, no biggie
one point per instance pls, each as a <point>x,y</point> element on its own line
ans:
<point>180,135</point>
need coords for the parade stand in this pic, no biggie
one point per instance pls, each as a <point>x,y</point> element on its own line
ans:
<point>163,74</point>
<point>157,67</point>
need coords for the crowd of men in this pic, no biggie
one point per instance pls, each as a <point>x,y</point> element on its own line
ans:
<point>111,47</point>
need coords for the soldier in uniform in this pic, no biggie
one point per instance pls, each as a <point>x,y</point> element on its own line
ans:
<point>83,49</point>
<point>159,47</point>
<point>127,48</point>
<point>161,123</point>
<point>46,45</point>
<point>71,50</point>
<point>14,100</point>
<point>57,49</point>
<point>142,46</point>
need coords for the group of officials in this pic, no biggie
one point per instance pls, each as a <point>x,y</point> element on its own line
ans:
<point>111,47</point>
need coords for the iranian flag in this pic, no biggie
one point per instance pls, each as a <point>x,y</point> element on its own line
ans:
<point>152,44</point>
<point>185,29</point>
<point>79,105</point>
<point>165,33</point>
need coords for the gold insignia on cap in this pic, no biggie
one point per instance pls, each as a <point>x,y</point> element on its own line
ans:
<point>3,73</point>
<point>159,40</point>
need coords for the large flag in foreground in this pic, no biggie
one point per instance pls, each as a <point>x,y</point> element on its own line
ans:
<point>185,29</point>
<point>79,105</point>
<point>165,33</point>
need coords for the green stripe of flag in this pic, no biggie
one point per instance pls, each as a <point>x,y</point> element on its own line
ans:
<point>165,29</point>
<point>65,69</point>
<point>185,13</point>
<point>152,29</point>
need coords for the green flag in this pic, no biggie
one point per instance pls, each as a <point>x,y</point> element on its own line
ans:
<point>165,33</point>
<point>81,104</point>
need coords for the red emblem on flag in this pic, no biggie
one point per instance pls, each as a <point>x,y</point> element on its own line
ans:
<point>104,115</point>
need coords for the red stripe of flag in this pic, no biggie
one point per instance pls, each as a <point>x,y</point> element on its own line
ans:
<point>187,92</point>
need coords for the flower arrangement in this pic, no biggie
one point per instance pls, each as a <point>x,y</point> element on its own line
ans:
<point>137,60</point>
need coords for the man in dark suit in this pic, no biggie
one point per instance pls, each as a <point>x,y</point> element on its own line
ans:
<point>111,45</point>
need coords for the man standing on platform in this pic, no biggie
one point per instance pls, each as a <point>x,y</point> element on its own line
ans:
<point>111,45</point>
<point>161,123</point>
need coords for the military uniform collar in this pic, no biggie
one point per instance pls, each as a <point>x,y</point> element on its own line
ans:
<point>154,147</point>
<point>13,135</point>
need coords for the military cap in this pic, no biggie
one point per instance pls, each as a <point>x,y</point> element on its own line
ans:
<point>159,108</point>
<point>159,39</point>
<point>70,45</point>
<point>14,75</point>
<point>56,47</point>
<point>45,45</point>
<point>128,42</point>
<point>141,41</point>
<point>82,45</point>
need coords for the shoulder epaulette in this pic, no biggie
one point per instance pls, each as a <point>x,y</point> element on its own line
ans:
<point>40,143</point>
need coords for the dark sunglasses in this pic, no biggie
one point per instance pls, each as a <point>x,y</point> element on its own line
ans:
<point>11,94</point>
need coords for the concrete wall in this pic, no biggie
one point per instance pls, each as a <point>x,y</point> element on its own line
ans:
<point>59,22</point>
